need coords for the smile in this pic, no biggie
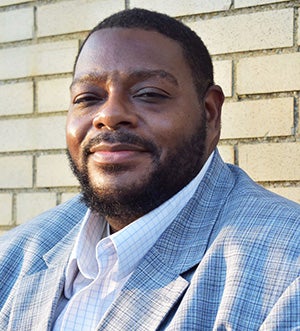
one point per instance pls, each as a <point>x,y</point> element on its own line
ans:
<point>115,153</point>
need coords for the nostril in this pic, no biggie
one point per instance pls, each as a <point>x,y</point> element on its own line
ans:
<point>99,125</point>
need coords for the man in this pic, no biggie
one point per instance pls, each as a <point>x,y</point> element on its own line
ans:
<point>165,235</point>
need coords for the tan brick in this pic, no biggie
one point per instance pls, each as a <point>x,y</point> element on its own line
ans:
<point>9,31</point>
<point>54,171</point>
<point>248,3</point>
<point>6,209</point>
<point>71,16</point>
<point>32,133</point>
<point>16,98</point>
<point>291,193</point>
<point>259,118</point>
<point>180,8</point>
<point>53,94</point>
<point>13,2</point>
<point>227,153</point>
<point>223,76</point>
<point>30,205</point>
<point>262,30</point>
<point>298,27</point>
<point>15,171</point>
<point>264,74</point>
<point>67,196</point>
<point>40,59</point>
<point>271,162</point>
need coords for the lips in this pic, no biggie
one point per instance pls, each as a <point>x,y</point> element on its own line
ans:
<point>105,153</point>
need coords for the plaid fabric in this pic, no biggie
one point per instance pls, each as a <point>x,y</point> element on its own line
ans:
<point>229,261</point>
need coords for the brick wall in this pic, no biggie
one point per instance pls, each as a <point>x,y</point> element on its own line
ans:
<point>255,48</point>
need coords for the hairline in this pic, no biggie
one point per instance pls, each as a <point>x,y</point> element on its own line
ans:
<point>195,53</point>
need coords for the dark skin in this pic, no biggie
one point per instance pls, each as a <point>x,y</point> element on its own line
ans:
<point>148,91</point>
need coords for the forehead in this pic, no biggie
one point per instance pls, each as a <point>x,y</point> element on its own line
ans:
<point>123,50</point>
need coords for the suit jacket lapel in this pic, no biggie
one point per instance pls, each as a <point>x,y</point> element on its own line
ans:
<point>146,298</point>
<point>34,309</point>
<point>163,276</point>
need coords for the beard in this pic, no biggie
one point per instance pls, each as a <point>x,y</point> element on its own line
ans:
<point>166,178</point>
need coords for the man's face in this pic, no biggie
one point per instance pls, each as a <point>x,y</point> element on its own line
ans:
<point>136,131</point>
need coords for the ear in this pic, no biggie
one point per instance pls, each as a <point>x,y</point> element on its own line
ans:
<point>213,101</point>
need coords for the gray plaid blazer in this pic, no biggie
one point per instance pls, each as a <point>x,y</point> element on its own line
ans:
<point>229,261</point>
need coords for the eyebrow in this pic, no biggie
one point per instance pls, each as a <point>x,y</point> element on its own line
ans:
<point>134,75</point>
<point>145,74</point>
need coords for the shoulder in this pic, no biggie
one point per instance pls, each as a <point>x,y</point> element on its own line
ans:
<point>258,223</point>
<point>250,198</point>
<point>23,249</point>
<point>247,212</point>
<point>229,189</point>
<point>45,230</point>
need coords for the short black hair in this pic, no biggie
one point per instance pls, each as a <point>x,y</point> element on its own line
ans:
<point>194,50</point>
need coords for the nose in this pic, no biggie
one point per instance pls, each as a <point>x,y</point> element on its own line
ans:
<point>114,113</point>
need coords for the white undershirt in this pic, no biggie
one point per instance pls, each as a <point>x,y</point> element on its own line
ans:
<point>101,263</point>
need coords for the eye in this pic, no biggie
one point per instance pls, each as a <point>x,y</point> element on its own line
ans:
<point>151,94</point>
<point>87,99</point>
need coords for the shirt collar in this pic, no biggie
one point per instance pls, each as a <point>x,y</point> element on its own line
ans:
<point>83,255</point>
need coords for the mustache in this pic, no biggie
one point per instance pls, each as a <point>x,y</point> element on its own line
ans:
<point>121,137</point>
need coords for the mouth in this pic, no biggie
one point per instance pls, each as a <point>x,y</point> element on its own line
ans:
<point>117,153</point>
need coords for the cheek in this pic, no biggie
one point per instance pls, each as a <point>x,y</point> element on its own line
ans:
<point>174,135</point>
<point>171,130</point>
<point>166,135</point>
<point>76,130</point>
